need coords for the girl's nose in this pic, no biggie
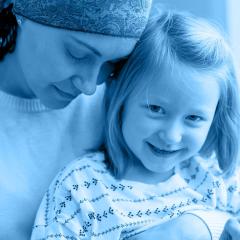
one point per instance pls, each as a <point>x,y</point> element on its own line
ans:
<point>171,135</point>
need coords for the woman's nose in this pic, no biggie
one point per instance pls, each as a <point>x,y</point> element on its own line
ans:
<point>86,86</point>
<point>86,82</point>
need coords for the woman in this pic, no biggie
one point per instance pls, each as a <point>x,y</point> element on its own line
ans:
<point>63,49</point>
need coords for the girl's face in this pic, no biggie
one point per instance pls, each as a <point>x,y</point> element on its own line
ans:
<point>168,122</point>
<point>58,64</point>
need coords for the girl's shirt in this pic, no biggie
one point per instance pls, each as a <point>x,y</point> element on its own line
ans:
<point>86,202</point>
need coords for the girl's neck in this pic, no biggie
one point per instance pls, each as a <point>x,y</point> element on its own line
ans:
<point>12,78</point>
<point>139,173</point>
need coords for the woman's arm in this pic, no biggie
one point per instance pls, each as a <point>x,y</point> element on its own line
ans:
<point>231,230</point>
<point>187,227</point>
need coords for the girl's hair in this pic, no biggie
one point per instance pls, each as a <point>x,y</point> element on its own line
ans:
<point>171,38</point>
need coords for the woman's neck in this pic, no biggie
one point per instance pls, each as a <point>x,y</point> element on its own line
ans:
<point>12,78</point>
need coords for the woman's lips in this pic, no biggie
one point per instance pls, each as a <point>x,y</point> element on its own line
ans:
<point>64,94</point>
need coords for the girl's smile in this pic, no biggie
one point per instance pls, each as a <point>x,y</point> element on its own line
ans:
<point>161,152</point>
<point>168,121</point>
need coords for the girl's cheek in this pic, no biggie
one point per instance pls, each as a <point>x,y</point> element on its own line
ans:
<point>148,127</point>
<point>199,137</point>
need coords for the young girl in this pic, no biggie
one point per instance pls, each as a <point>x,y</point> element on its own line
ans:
<point>172,112</point>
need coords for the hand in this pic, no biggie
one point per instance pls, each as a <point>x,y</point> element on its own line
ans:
<point>187,227</point>
<point>231,230</point>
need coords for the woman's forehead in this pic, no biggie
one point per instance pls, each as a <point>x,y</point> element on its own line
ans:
<point>103,45</point>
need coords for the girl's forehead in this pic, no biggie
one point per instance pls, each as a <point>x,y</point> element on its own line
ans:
<point>184,74</point>
<point>177,78</point>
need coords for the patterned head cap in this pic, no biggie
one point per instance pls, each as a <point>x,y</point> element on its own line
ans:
<point>123,18</point>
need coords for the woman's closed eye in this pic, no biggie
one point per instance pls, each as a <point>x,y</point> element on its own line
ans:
<point>76,57</point>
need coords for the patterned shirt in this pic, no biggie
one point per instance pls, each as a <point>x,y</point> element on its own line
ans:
<point>86,202</point>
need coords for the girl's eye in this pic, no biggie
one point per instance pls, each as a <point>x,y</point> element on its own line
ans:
<point>155,108</point>
<point>194,118</point>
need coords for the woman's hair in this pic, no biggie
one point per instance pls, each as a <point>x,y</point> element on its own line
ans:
<point>8,30</point>
<point>177,38</point>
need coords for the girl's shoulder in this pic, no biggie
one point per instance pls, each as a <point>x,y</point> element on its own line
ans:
<point>88,164</point>
<point>93,158</point>
<point>199,167</point>
<point>207,164</point>
<point>89,160</point>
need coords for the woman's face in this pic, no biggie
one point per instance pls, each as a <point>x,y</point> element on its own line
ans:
<point>59,64</point>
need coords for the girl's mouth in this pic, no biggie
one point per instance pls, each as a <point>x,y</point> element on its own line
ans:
<point>162,152</point>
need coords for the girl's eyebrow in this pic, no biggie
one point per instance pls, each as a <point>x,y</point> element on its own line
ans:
<point>203,111</point>
<point>91,48</point>
<point>157,99</point>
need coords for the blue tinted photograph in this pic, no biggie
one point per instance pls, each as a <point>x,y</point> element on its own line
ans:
<point>120,120</point>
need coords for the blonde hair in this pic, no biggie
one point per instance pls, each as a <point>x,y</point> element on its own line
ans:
<point>174,37</point>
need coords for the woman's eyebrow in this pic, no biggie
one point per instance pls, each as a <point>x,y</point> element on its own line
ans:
<point>88,46</point>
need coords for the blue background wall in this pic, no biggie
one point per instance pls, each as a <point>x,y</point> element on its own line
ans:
<point>225,13</point>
